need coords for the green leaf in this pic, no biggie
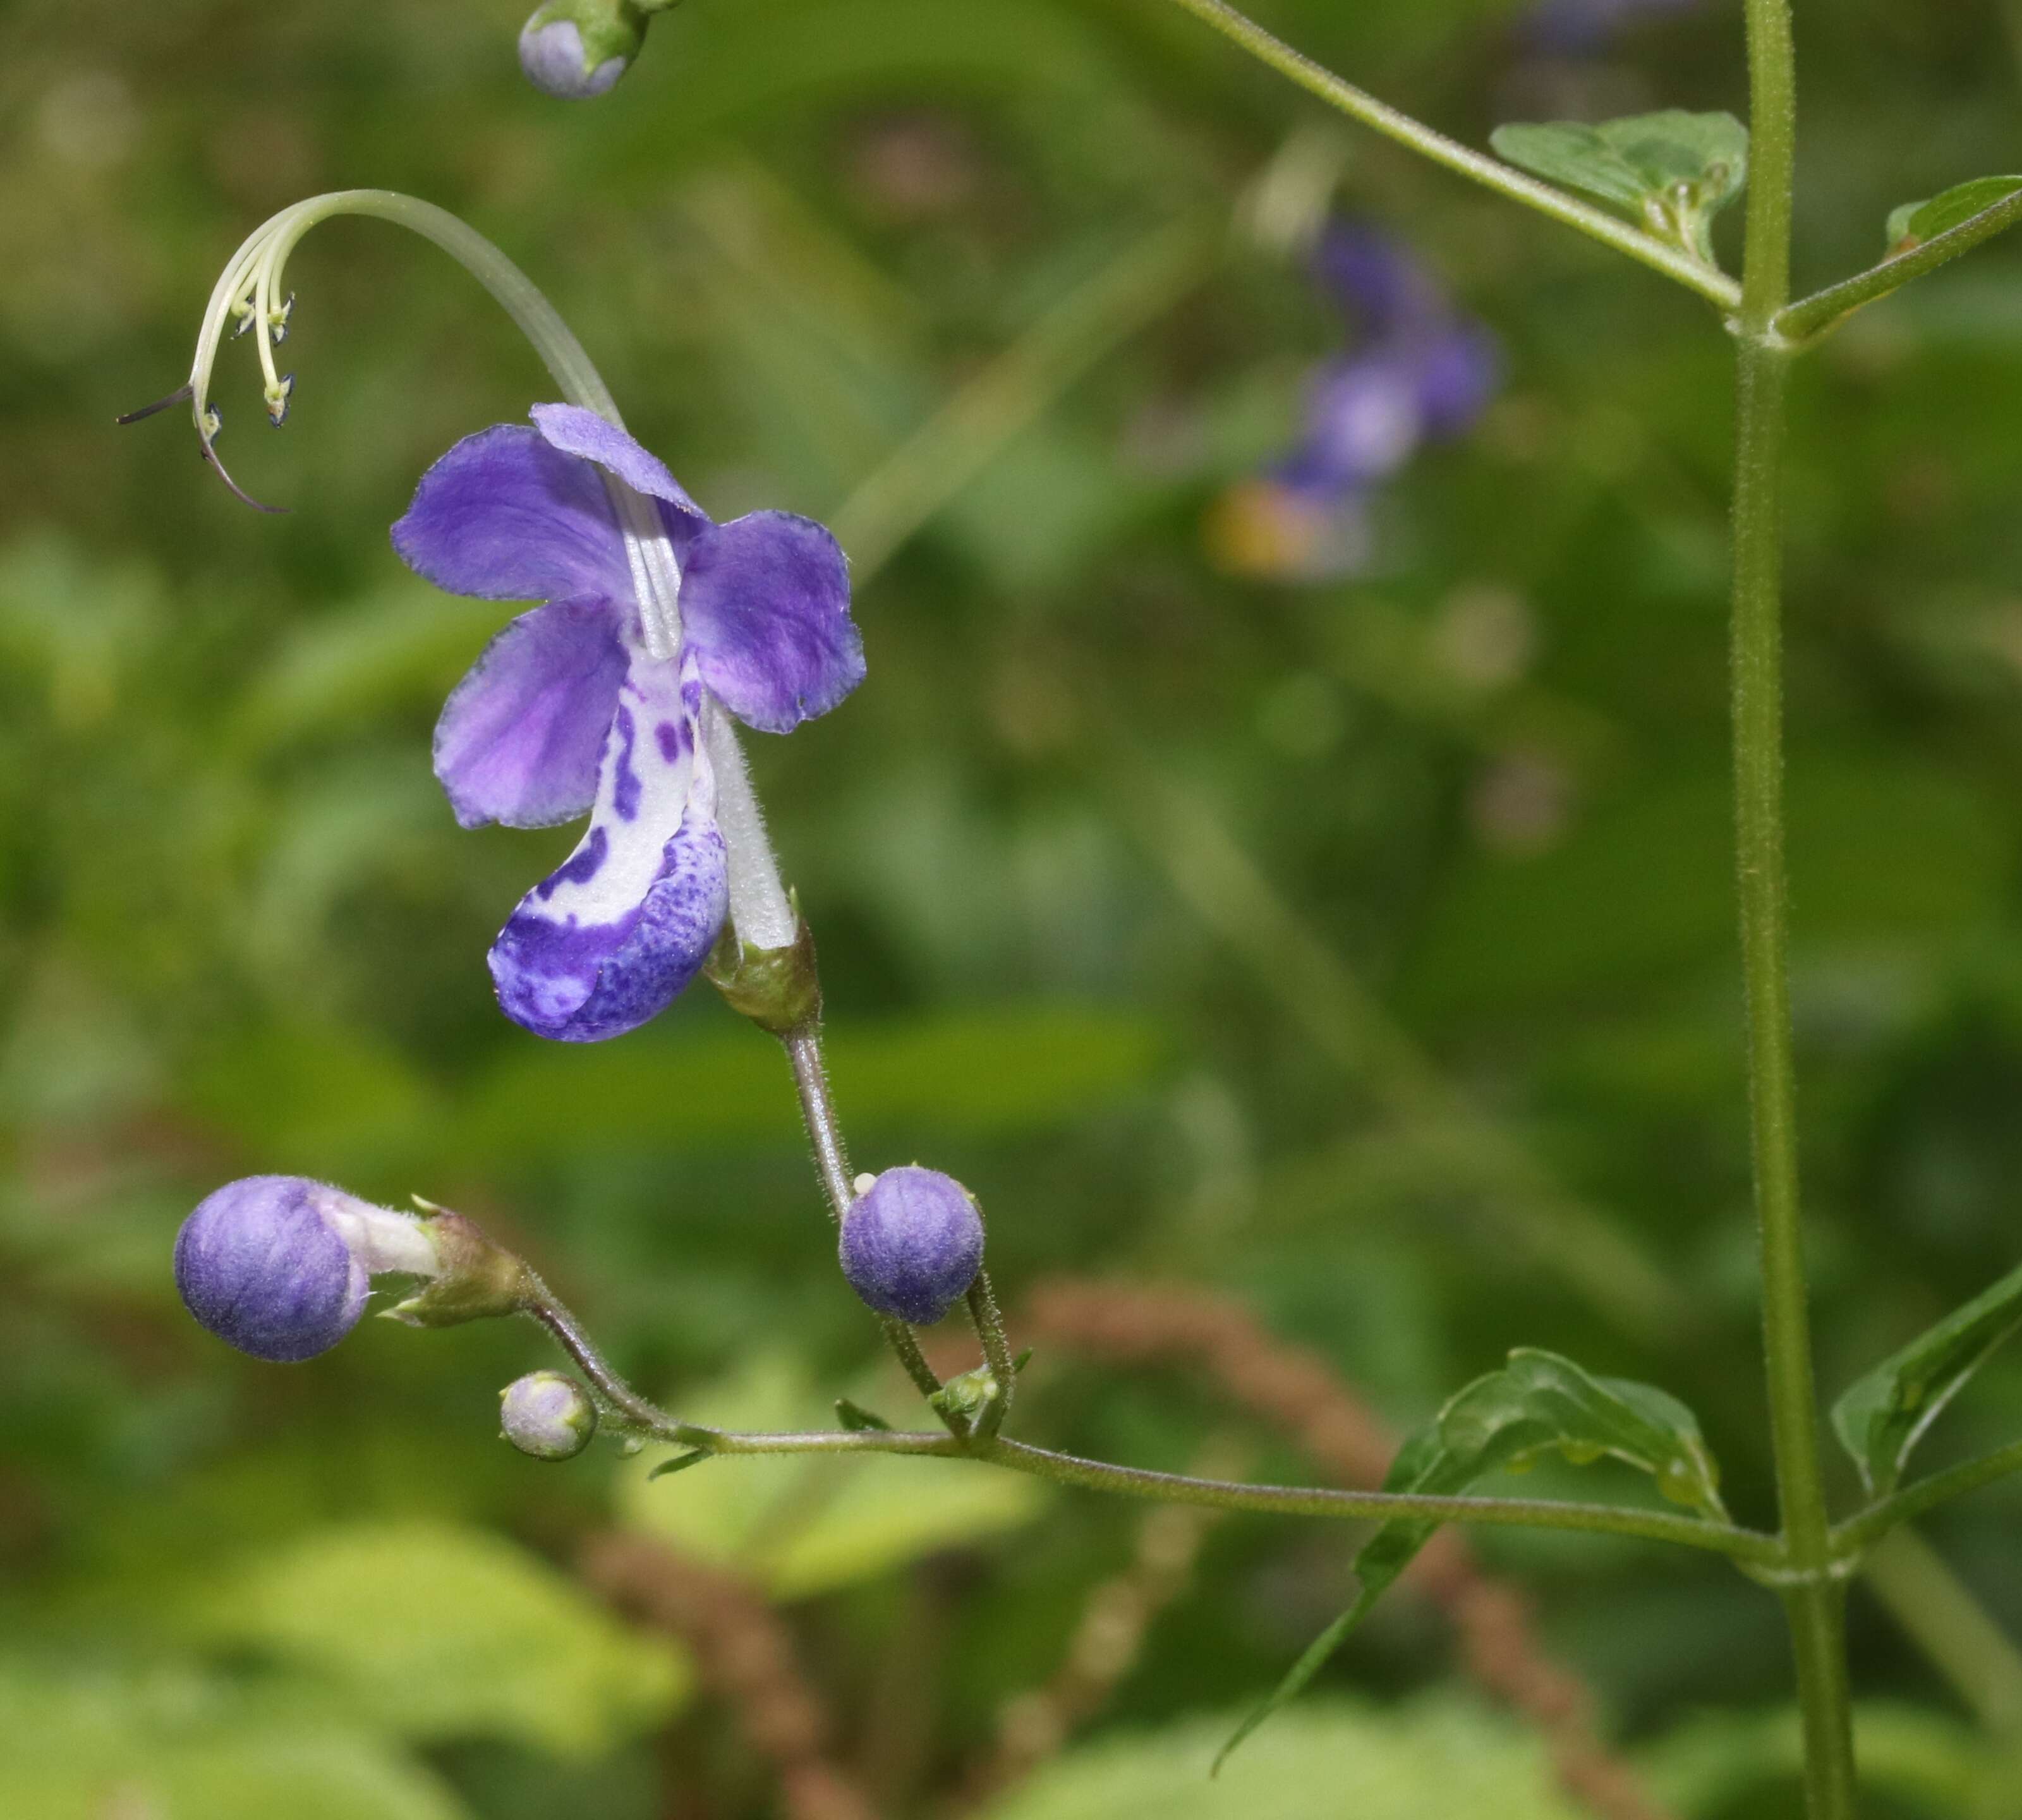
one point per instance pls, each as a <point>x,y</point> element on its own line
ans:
<point>681,1463</point>
<point>1914,223</point>
<point>1538,1404</point>
<point>1670,172</point>
<point>854,1417</point>
<point>437,1631</point>
<point>84,1742</point>
<point>1563,151</point>
<point>1432,1758</point>
<point>1883,1414</point>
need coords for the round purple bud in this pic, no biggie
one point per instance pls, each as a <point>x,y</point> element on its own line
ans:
<point>911,1244</point>
<point>262,1265</point>
<point>547,1415</point>
<point>574,50</point>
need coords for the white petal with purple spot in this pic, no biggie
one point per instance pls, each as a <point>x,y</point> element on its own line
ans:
<point>608,938</point>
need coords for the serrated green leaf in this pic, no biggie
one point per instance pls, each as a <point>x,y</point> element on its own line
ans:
<point>1538,1404</point>
<point>437,1631</point>
<point>1563,152</point>
<point>1708,152</point>
<point>1883,1414</point>
<point>1916,222</point>
<point>1669,172</point>
<point>1433,1758</point>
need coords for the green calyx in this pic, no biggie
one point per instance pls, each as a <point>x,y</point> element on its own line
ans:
<point>478,1279</point>
<point>778,989</point>
<point>607,29</point>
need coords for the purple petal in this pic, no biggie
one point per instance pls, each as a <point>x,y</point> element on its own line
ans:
<point>1375,278</point>
<point>521,737</point>
<point>766,608</point>
<point>1458,370</point>
<point>505,517</point>
<point>259,1265</point>
<point>606,940</point>
<point>1364,418</point>
<point>577,432</point>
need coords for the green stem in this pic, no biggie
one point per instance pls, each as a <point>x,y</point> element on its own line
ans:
<point>1824,309</point>
<point>1490,172</point>
<point>1748,1546</point>
<point>1874,1523</point>
<point>1814,1600</point>
<point>1938,1611</point>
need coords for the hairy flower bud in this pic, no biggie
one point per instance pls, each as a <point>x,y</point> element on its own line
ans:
<point>279,1266</point>
<point>575,49</point>
<point>547,1415</point>
<point>912,1243</point>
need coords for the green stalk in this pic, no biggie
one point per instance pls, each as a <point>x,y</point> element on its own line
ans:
<point>1492,173</point>
<point>1814,1599</point>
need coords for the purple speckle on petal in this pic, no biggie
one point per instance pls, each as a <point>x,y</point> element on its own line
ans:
<point>582,983</point>
<point>669,737</point>
<point>581,866</point>
<point>625,781</point>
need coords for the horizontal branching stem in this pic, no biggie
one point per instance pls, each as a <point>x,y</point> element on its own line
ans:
<point>1823,309</point>
<point>1745,1545</point>
<point>1715,287</point>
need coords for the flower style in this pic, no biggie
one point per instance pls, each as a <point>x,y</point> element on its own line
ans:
<point>568,710</point>
<point>1418,372</point>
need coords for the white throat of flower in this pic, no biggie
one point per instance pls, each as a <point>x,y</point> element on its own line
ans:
<point>249,296</point>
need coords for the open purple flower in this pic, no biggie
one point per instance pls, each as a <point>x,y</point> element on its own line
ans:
<point>567,711</point>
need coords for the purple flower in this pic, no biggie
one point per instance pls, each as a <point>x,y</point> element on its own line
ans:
<point>1416,372</point>
<point>1581,28</point>
<point>911,1244</point>
<point>279,1266</point>
<point>567,711</point>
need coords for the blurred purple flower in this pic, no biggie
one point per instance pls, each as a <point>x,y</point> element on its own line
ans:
<point>1416,372</point>
<point>566,711</point>
<point>1583,27</point>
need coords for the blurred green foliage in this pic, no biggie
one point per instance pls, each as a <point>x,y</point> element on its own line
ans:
<point>1410,1018</point>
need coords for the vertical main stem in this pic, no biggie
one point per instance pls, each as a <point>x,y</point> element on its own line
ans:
<point>1814,1599</point>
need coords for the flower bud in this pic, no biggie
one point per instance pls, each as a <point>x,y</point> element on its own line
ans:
<point>279,1266</point>
<point>574,50</point>
<point>912,1243</point>
<point>547,1415</point>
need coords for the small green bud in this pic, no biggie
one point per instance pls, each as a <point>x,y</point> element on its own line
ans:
<point>968,1396</point>
<point>778,989</point>
<point>574,50</point>
<point>547,1415</point>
